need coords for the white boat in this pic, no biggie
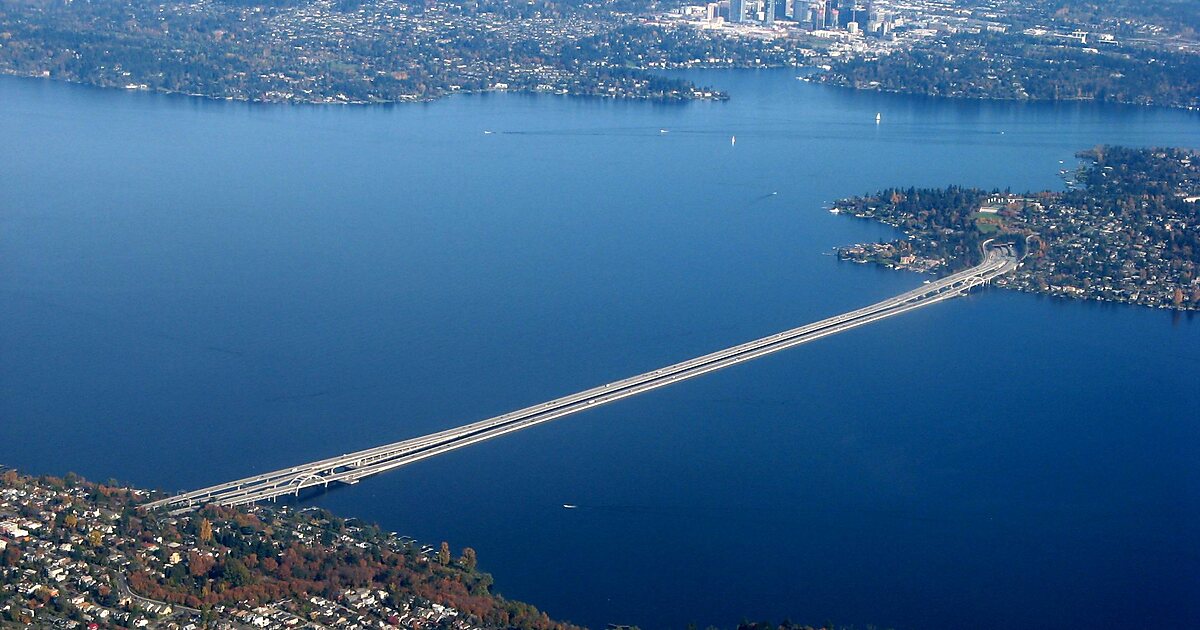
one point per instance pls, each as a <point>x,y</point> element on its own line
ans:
<point>733,141</point>
<point>487,132</point>
<point>664,131</point>
<point>878,117</point>
<point>570,506</point>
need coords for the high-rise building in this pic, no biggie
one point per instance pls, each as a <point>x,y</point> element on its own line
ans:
<point>799,10</point>
<point>768,11</point>
<point>874,21</point>
<point>818,11</point>
<point>781,11</point>
<point>737,11</point>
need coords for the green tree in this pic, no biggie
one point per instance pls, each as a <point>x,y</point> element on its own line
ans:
<point>235,573</point>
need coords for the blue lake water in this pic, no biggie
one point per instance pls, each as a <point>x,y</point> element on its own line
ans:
<point>192,291</point>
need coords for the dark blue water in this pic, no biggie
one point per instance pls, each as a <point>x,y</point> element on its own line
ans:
<point>192,291</point>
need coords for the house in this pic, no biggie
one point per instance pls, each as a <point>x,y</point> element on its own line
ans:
<point>12,530</point>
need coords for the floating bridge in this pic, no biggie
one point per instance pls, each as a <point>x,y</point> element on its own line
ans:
<point>351,467</point>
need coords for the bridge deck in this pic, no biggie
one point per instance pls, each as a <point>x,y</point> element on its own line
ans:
<point>351,467</point>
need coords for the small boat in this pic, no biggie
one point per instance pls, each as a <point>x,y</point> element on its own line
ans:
<point>664,131</point>
<point>733,141</point>
<point>487,132</point>
<point>878,117</point>
<point>570,506</point>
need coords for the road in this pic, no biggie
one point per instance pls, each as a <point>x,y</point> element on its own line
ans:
<point>351,467</point>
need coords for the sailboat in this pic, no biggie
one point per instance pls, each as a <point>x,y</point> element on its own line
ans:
<point>733,141</point>
<point>878,117</point>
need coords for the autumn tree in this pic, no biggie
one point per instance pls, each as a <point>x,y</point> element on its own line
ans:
<point>199,565</point>
<point>468,559</point>
<point>444,554</point>
<point>12,555</point>
<point>206,532</point>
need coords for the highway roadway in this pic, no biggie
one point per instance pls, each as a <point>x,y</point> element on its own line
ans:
<point>351,467</point>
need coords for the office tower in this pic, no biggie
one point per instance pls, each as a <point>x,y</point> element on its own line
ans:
<point>799,10</point>
<point>768,11</point>
<point>737,11</point>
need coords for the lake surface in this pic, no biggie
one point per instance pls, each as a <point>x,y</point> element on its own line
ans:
<point>193,291</point>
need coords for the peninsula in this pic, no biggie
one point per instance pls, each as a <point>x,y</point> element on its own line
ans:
<point>1126,229</point>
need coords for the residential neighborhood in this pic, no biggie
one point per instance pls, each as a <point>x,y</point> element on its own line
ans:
<point>1127,229</point>
<point>82,555</point>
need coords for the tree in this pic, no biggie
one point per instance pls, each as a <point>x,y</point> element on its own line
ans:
<point>95,538</point>
<point>206,533</point>
<point>12,555</point>
<point>444,554</point>
<point>236,573</point>
<point>199,565</point>
<point>468,559</point>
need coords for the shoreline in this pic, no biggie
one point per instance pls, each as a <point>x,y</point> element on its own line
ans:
<point>718,96</point>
